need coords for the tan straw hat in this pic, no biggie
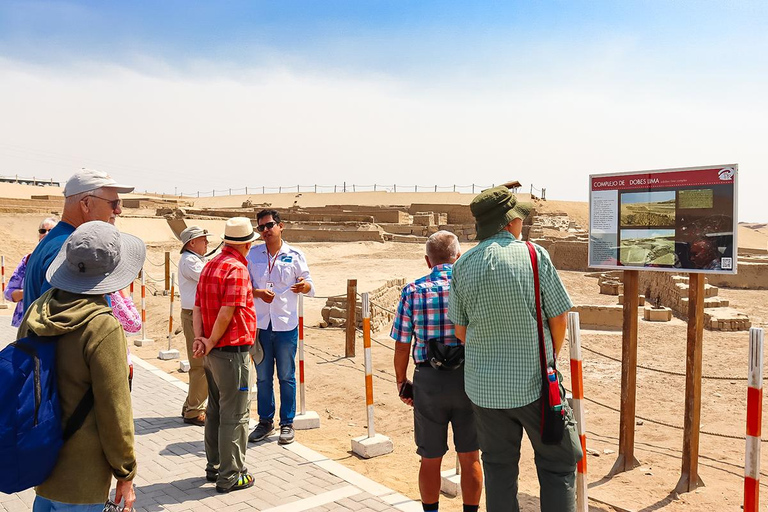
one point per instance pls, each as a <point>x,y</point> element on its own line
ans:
<point>239,230</point>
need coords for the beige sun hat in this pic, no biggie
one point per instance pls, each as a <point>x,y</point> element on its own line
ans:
<point>239,230</point>
<point>190,234</point>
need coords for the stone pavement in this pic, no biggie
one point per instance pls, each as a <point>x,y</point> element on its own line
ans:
<point>171,461</point>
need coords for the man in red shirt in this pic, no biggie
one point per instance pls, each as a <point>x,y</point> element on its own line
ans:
<point>225,326</point>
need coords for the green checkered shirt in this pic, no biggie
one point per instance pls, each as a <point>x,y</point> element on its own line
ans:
<point>492,293</point>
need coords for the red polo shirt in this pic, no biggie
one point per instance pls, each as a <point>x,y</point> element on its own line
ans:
<point>225,281</point>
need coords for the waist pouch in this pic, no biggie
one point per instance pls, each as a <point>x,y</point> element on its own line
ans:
<point>444,357</point>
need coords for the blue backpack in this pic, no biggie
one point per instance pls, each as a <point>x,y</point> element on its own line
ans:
<point>30,417</point>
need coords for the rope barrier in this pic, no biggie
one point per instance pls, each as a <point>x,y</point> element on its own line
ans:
<point>153,263</point>
<point>659,370</point>
<point>383,308</point>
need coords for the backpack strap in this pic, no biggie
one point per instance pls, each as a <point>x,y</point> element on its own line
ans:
<point>78,417</point>
<point>539,322</point>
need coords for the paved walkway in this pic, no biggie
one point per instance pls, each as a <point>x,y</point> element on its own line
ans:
<point>171,461</point>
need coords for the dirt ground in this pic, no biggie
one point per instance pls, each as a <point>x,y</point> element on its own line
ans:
<point>335,385</point>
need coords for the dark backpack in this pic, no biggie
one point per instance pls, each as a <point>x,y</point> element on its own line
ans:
<point>31,435</point>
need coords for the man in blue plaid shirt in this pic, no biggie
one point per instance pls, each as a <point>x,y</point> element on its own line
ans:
<point>437,393</point>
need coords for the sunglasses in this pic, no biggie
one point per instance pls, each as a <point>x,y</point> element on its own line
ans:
<point>267,225</point>
<point>113,203</point>
<point>43,231</point>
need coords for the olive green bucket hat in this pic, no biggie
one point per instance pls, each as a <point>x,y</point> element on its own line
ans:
<point>494,208</point>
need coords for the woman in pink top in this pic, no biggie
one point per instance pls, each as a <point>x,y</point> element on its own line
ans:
<point>128,316</point>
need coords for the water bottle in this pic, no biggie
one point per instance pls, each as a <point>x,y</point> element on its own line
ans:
<point>554,391</point>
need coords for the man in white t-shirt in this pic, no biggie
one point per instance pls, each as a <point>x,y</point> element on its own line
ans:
<point>279,273</point>
<point>194,242</point>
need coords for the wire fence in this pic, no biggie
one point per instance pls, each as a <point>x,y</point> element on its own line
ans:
<point>344,187</point>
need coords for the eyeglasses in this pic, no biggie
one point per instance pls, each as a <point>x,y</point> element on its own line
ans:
<point>267,225</point>
<point>113,203</point>
<point>43,231</point>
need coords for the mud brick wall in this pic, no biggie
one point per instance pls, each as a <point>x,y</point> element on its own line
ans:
<point>752,275</point>
<point>610,318</point>
<point>566,254</point>
<point>455,213</point>
<point>385,296</point>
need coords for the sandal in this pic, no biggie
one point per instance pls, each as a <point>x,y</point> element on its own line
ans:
<point>243,482</point>
<point>213,474</point>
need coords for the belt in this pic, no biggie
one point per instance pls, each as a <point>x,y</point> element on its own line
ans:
<point>424,364</point>
<point>233,348</point>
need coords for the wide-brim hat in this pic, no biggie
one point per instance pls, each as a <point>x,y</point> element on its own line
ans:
<point>97,259</point>
<point>494,208</point>
<point>190,234</point>
<point>239,230</point>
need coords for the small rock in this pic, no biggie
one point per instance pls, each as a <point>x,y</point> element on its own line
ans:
<point>639,422</point>
<point>323,324</point>
<point>648,473</point>
<point>608,451</point>
<point>590,451</point>
<point>718,395</point>
<point>350,424</point>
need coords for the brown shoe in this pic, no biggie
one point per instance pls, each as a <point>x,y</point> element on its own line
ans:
<point>197,420</point>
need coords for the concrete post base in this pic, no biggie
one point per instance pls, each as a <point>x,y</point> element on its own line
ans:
<point>143,342</point>
<point>450,483</point>
<point>184,365</point>
<point>306,421</point>
<point>368,447</point>
<point>657,314</point>
<point>166,355</point>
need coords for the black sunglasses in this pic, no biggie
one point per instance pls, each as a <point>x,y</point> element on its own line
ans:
<point>113,203</point>
<point>267,225</point>
<point>43,231</point>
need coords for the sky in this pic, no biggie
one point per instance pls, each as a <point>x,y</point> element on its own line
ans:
<point>186,96</point>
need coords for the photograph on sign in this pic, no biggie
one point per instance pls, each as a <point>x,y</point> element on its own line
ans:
<point>679,220</point>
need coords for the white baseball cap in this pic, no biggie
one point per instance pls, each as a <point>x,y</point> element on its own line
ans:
<point>86,180</point>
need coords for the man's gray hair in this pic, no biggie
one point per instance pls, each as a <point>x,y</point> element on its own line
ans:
<point>76,198</point>
<point>443,247</point>
<point>48,220</point>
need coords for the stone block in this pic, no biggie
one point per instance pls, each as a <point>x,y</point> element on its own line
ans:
<point>167,355</point>
<point>143,342</point>
<point>306,421</point>
<point>657,314</point>
<point>369,447</point>
<point>450,483</point>
<point>184,365</point>
<point>641,299</point>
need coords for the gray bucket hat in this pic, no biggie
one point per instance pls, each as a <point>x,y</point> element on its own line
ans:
<point>97,259</point>
<point>494,208</point>
<point>190,234</point>
<point>86,180</point>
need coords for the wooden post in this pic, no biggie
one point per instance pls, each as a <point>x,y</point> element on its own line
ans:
<point>349,350</point>
<point>689,478</point>
<point>167,271</point>
<point>626,459</point>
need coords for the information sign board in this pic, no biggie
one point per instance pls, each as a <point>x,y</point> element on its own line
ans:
<point>677,220</point>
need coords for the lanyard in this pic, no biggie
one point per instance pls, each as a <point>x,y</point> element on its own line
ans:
<point>271,261</point>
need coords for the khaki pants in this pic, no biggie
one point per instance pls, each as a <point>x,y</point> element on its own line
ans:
<point>197,395</point>
<point>226,422</point>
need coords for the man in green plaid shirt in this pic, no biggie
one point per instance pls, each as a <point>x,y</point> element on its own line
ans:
<point>492,305</point>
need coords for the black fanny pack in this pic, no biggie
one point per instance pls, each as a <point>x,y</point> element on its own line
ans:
<point>444,357</point>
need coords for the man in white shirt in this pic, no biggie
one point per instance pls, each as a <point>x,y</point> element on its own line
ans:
<point>194,242</point>
<point>279,273</point>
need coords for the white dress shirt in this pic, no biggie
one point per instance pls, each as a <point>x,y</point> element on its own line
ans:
<point>190,266</point>
<point>286,268</point>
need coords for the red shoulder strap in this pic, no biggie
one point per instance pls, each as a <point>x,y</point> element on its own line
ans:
<point>539,321</point>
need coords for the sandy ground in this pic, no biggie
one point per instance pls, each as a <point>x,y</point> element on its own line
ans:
<point>335,385</point>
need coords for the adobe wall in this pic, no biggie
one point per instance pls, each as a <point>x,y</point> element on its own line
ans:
<point>751,275</point>
<point>566,254</point>
<point>330,234</point>
<point>606,318</point>
<point>457,213</point>
<point>383,302</point>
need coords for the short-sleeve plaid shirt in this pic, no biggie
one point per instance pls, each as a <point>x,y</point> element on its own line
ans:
<point>423,312</point>
<point>224,281</point>
<point>492,293</point>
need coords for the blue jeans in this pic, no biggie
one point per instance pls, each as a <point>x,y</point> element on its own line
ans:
<point>45,505</point>
<point>279,350</point>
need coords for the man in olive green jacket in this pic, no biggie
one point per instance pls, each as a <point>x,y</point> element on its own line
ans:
<point>91,352</point>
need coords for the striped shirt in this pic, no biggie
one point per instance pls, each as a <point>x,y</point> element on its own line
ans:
<point>492,294</point>
<point>422,312</point>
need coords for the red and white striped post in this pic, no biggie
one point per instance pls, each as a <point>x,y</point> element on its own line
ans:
<point>577,385</point>
<point>305,420</point>
<point>2,272</point>
<point>143,340</point>
<point>170,353</point>
<point>754,422</point>
<point>374,444</point>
